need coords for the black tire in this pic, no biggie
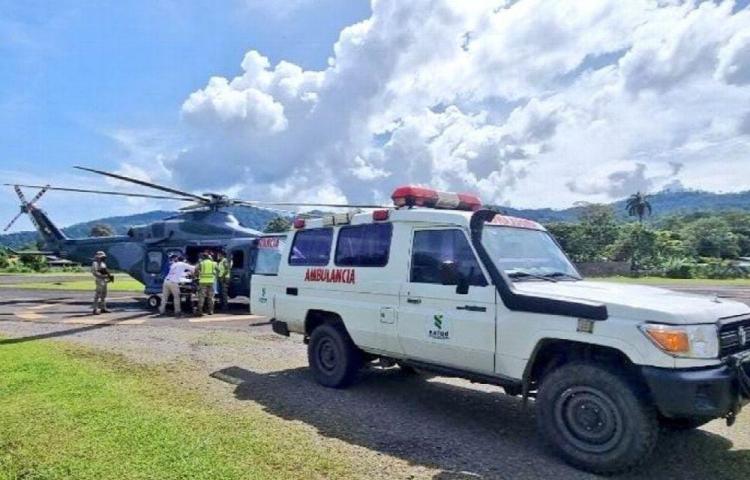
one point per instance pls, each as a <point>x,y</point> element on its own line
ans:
<point>682,424</point>
<point>154,301</point>
<point>333,357</point>
<point>595,419</point>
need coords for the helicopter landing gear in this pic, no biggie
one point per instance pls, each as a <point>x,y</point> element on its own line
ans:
<point>154,301</point>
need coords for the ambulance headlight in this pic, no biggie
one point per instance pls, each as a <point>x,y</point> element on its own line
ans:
<point>688,341</point>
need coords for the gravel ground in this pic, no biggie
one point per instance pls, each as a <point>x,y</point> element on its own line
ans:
<point>397,425</point>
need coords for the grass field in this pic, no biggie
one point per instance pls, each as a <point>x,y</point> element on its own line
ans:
<point>67,412</point>
<point>122,283</point>
<point>742,282</point>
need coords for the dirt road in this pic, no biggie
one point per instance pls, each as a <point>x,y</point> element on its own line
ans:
<point>396,425</point>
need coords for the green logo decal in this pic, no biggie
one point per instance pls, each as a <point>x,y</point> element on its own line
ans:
<point>438,321</point>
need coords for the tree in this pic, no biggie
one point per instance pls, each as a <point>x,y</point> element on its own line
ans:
<point>739,224</point>
<point>638,205</point>
<point>4,260</point>
<point>588,239</point>
<point>102,230</point>
<point>278,225</point>
<point>711,237</point>
<point>33,262</point>
<point>638,245</point>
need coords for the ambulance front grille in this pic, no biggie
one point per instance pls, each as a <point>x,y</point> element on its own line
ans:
<point>735,336</point>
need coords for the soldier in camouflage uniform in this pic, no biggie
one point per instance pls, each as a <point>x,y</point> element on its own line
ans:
<point>101,277</point>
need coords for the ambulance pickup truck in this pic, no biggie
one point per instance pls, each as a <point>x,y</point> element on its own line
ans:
<point>438,284</point>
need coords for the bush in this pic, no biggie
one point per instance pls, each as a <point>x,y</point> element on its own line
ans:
<point>719,269</point>
<point>679,268</point>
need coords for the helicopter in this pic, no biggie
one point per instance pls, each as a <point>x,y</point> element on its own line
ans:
<point>144,251</point>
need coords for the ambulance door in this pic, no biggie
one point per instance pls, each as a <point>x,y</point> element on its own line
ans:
<point>447,306</point>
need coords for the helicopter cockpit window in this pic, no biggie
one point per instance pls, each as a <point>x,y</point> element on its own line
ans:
<point>153,262</point>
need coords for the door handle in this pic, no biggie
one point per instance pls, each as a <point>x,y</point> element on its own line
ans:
<point>414,300</point>
<point>291,291</point>
<point>472,308</point>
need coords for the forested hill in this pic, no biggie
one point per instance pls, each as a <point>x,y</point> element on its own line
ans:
<point>664,203</point>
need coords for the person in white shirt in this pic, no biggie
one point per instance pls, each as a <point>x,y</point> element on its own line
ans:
<point>178,272</point>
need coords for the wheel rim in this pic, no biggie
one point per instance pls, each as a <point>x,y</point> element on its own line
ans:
<point>589,419</point>
<point>327,354</point>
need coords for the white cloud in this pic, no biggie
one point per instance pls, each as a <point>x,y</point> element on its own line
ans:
<point>734,60</point>
<point>528,102</point>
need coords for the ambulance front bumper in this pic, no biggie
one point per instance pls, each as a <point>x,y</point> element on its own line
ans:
<point>708,393</point>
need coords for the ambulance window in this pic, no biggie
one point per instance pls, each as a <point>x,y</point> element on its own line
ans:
<point>432,248</point>
<point>364,245</point>
<point>268,257</point>
<point>311,247</point>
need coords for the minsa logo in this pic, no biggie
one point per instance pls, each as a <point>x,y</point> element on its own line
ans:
<point>437,332</point>
<point>330,275</point>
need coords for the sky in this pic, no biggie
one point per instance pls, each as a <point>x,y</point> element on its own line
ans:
<point>529,103</point>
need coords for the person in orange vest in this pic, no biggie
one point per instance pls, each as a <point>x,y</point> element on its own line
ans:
<point>205,272</point>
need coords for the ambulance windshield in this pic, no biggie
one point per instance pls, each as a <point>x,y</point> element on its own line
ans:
<point>527,254</point>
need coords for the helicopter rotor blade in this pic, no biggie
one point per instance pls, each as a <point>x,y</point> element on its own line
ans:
<point>147,184</point>
<point>10,224</point>
<point>303,204</point>
<point>195,206</point>
<point>102,192</point>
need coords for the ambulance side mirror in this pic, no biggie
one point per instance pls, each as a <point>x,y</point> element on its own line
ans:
<point>450,275</point>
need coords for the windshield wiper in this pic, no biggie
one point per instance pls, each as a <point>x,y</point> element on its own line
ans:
<point>561,275</point>
<point>524,274</point>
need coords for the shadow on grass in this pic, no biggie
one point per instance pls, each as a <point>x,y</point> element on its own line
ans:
<point>464,432</point>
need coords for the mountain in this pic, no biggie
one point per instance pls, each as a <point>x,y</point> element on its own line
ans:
<point>247,216</point>
<point>663,203</point>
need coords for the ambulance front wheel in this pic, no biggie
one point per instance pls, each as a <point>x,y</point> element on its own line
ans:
<point>154,301</point>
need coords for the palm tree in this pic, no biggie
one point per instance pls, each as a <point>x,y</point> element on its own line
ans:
<point>638,205</point>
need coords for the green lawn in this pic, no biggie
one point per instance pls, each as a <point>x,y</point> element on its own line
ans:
<point>122,283</point>
<point>70,413</point>
<point>58,273</point>
<point>674,281</point>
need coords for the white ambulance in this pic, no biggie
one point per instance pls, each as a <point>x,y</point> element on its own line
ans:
<point>441,285</point>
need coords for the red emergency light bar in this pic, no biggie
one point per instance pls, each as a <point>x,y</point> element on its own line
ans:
<point>413,196</point>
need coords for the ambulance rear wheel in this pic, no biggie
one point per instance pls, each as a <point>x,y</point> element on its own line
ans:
<point>154,301</point>
<point>333,357</point>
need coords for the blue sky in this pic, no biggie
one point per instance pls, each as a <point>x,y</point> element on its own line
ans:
<point>529,103</point>
<point>72,71</point>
